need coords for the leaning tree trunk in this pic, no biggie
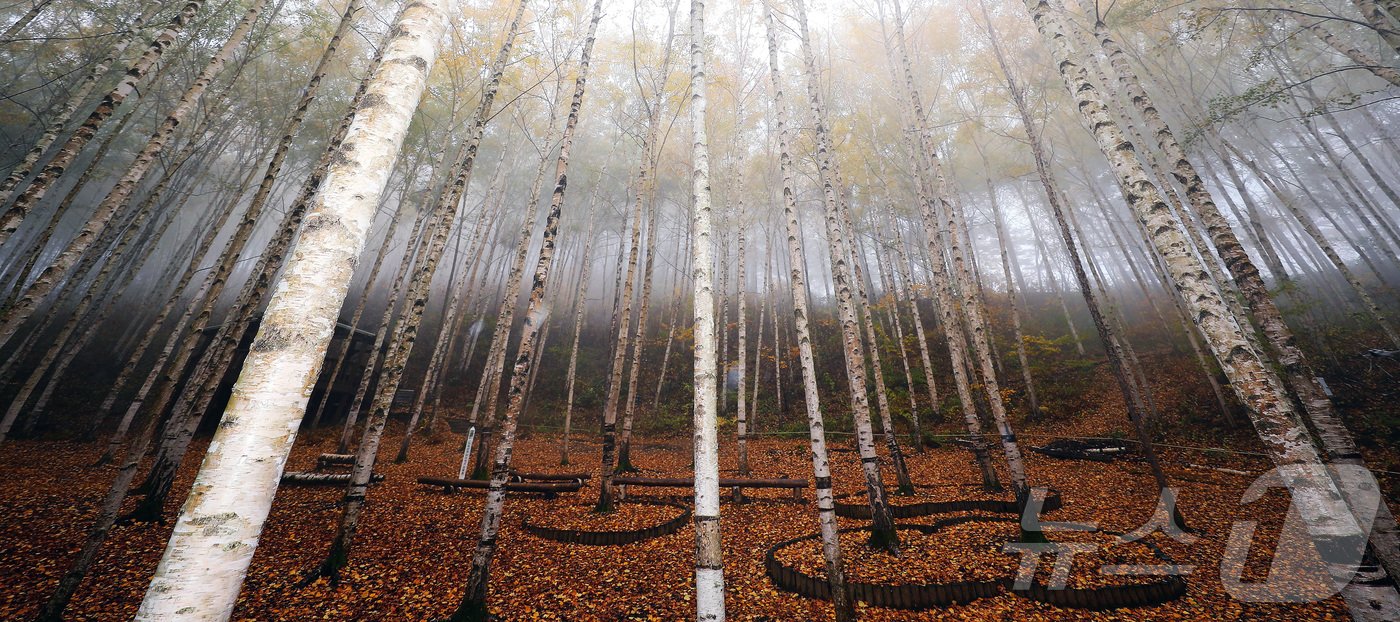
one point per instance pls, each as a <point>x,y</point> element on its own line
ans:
<point>1315,495</point>
<point>821,464</point>
<point>384,246</point>
<point>623,319</point>
<point>406,331</point>
<point>1381,21</point>
<point>473,604</point>
<point>121,193</point>
<point>1013,297</point>
<point>40,241</point>
<point>882,533</point>
<point>76,100</point>
<point>709,565</point>
<point>202,568</point>
<point>425,221</point>
<point>12,217</point>
<point>457,286</point>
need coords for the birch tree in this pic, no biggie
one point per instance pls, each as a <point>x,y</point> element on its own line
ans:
<point>1315,495</point>
<point>406,331</point>
<point>797,286</point>
<point>709,564</point>
<point>882,532</point>
<point>473,604</point>
<point>202,568</point>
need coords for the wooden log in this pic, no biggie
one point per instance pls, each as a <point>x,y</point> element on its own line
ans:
<point>551,477</point>
<point>326,460</point>
<point>303,478</point>
<point>451,484</point>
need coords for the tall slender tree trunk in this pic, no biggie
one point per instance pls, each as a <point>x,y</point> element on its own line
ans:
<point>882,533</point>
<point>904,485</point>
<point>797,286</point>
<point>406,331</point>
<point>623,319</point>
<point>580,309</point>
<point>473,605</point>
<point>741,413</point>
<point>457,286</point>
<point>505,318</point>
<point>1112,347</point>
<point>203,565</point>
<point>709,565</point>
<point>1014,298</point>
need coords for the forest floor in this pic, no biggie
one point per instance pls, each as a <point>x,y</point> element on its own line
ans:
<point>413,550</point>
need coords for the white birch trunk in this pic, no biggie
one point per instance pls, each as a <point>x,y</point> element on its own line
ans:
<point>709,565</point>
<point>821,464</point>
<point>882,535</point>
<point>1315,496</point>
<point>473,605</point>
<point>202,569</point>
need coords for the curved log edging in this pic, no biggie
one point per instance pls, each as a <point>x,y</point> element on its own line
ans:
<point>611,538</point>
<point>914,510</point>
<point>929,595</point>
<point>910,596</point>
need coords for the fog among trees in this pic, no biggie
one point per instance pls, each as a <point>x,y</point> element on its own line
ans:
<point>789,259</point>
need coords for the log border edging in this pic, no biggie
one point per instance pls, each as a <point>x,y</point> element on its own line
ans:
<point>908,596</point>
<point>611,538</point>
<point>929,595</point>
